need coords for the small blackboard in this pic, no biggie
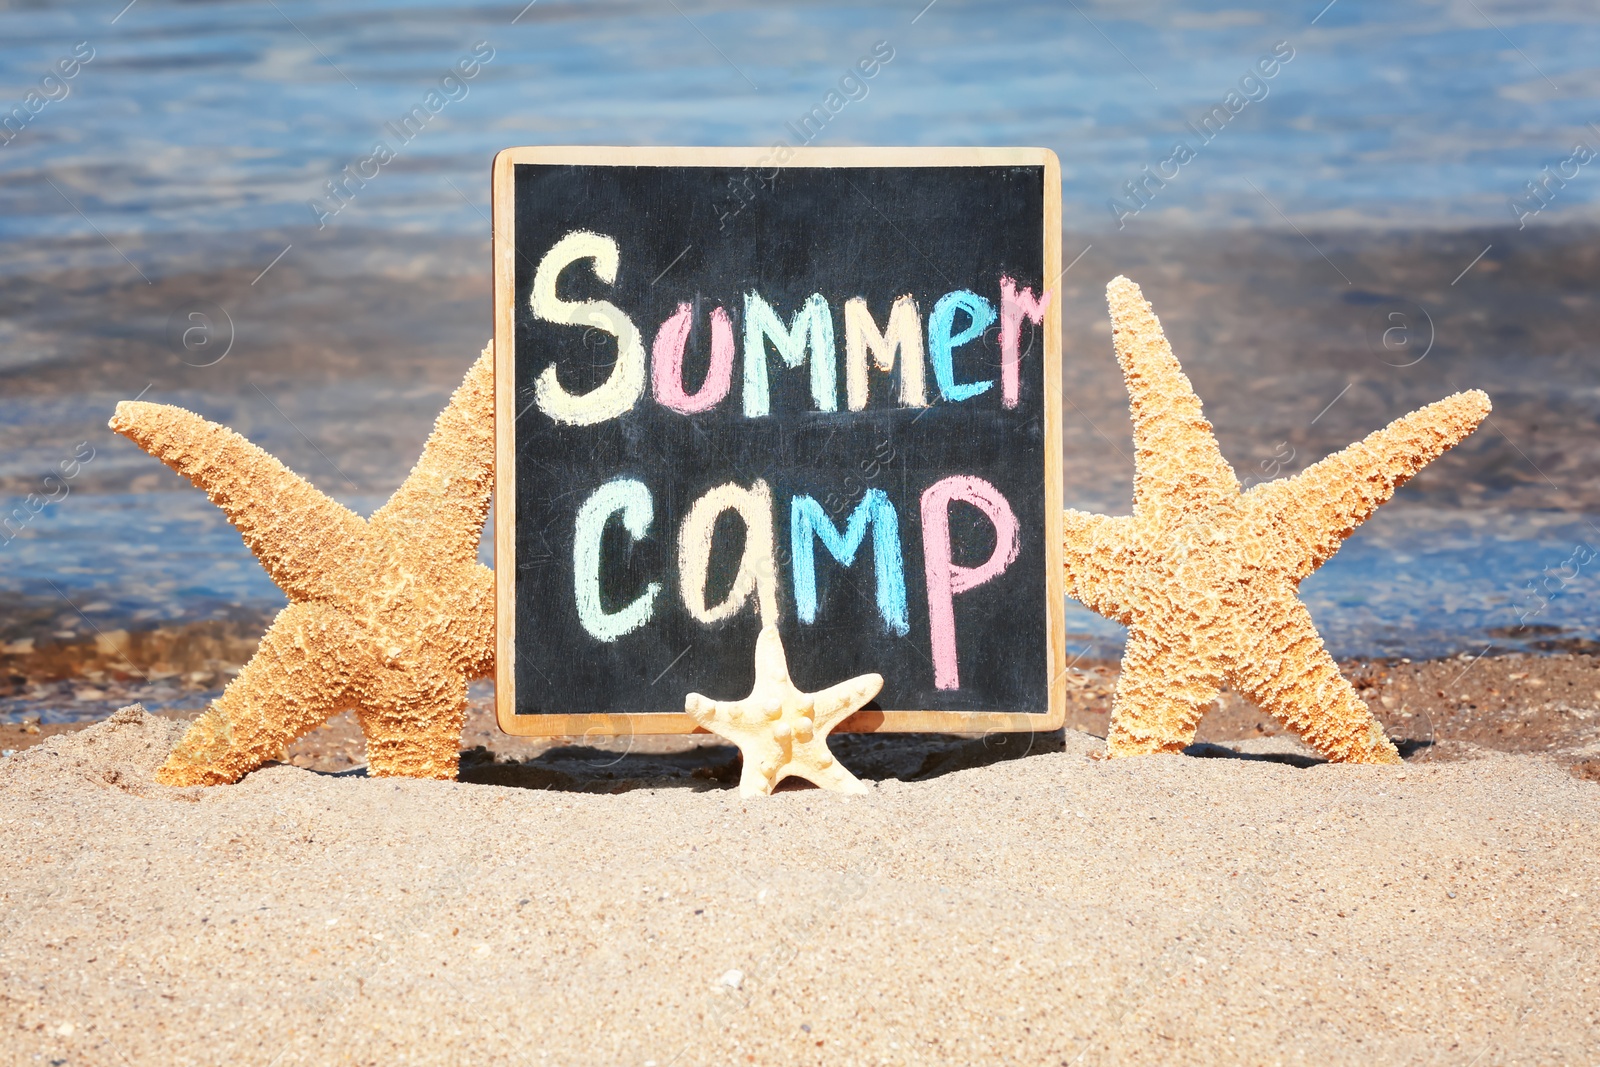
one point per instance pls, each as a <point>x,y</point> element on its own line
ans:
<point>812,386</point>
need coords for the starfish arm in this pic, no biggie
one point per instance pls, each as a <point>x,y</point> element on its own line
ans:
<point>738,721</point>
<point>758,777</point>
<point>1287,672</point>
<point>1177,462</point>
<point>304,539</point>
<point>837,703</point>
<point>1161,695</point>
<point>772,663</point>
<point>1314,511</point>
<point>300,675</point>
<point>442,504</point>
<point>1093,573</point>
<point>702,709</point>
<point>469,610</point>
<point>412,723</point>
<point>822,770</point>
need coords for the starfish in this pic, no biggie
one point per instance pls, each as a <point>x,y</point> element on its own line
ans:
<point>390,616</point>
<point>1206,577</point>
<point>780,730</point>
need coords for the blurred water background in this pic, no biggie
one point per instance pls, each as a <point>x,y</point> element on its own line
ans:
<point>1382,171</point>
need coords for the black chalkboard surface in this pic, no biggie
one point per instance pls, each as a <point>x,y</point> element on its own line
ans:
<point>818,390</point>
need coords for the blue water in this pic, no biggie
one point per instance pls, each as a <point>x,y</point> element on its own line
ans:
<point>201,131</point>
<point>1413,582</point>
<point>1425,582</point>
<point>203,117</point>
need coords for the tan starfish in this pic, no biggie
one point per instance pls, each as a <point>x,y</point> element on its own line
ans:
<point>390,616</point>
<point>780,730</point>
<point>1206,577</point>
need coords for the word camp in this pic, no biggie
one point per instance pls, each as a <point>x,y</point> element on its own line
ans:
<point>807,339</point>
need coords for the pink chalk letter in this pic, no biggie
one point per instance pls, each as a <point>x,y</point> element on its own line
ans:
<point>946,578</point>
<point>1015,305</point>
<point>667,362</point>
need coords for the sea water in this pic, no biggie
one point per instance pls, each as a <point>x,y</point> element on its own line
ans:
<point>183,170</point>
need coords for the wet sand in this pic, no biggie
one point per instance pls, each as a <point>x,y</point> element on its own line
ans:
<point>1436,710</point>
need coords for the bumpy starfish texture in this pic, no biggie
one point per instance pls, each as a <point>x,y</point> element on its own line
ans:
<point>780,730</point>
<point>1206,577</point>
<point>389,616</point>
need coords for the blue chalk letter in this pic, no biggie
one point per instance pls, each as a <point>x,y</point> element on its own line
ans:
<point>941,341</point>
<point>806,518</point>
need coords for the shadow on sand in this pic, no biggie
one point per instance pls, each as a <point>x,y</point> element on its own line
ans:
<point>1409,748</point>
<point>703,764</point>
<point>713,765</point>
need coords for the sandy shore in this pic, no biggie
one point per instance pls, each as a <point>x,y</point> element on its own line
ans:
<point>1546,704</point>
<point>1053,908</point>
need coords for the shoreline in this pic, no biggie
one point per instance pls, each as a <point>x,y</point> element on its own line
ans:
<point>1513,703</point>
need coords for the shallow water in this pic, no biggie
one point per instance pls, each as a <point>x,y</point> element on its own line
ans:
<point>206,117</point>
<point>179,173</point>
<point>1415,581</point>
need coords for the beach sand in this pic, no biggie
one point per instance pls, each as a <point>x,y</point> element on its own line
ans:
<point>1049,908</point>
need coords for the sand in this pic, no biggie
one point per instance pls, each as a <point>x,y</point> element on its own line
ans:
<point>1053,908</point>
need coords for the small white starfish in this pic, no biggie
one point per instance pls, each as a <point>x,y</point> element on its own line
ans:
<point>780,730</point>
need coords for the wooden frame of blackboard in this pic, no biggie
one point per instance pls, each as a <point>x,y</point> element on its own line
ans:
<point>668,722</point>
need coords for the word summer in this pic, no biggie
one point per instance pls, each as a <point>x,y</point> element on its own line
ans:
<point>957,318</point>
<point>756,579</point>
